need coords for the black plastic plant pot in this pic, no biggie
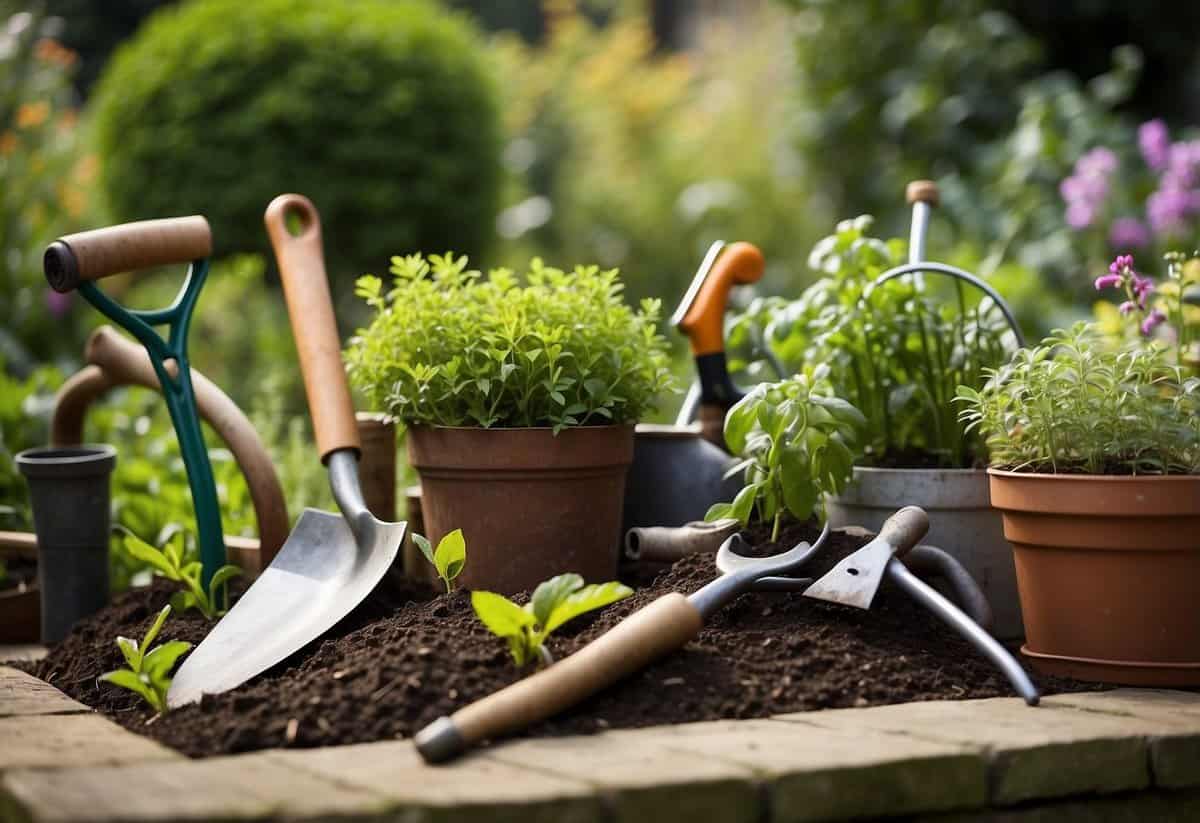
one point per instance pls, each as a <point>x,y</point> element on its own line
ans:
<point>69,489</point>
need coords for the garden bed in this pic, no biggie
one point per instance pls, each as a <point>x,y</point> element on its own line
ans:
<point>408,655</point>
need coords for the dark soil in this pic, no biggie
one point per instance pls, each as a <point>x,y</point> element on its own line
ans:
<point>407,656</point>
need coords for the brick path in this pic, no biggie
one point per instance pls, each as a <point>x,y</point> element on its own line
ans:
<point>1126,755</point>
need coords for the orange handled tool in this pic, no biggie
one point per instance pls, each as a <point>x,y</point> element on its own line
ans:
<point>701,316</point>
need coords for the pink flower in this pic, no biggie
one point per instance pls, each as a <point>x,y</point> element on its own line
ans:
<point>57,303</point>
<point>1128,233</point>
<point>1122,263</point>
<point>1155,143</point>
<point>1107,281</point>
<point>1127,307</point>
<point>1142,286</point>
<point>1080,215</point>
<point>1153,319</point>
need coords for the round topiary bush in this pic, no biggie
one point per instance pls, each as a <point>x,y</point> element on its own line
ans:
<point>381,111</point>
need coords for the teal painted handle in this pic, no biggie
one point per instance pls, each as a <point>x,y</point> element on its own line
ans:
<point>75,261</point>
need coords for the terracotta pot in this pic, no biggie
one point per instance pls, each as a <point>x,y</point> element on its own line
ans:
<point>962,523</point>
<point>1108,570</point>
<point>531,504</point>
<point>20,615</point>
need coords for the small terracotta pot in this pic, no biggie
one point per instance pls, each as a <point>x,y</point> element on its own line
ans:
<point>531,504</point>
<point>1108,570</point>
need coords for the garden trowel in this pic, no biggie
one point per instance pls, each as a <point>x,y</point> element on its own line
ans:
<point>330,562</point>
<point>855,580</point>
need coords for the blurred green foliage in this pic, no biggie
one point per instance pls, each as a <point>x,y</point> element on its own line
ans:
<point>24,417</point>
<point>381,112</point>
<point>44,177</point>
<point>625,156</point>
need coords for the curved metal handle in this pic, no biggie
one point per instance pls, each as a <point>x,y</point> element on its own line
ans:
<point>91,255</point>
<point>114,361</point>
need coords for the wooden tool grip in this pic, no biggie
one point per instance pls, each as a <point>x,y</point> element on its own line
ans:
<point>91,255</point>
<point>922,191</point>
<point>663,626</point>
<point>904,529</point>
<point>739,264</point>
<point>310,309</point>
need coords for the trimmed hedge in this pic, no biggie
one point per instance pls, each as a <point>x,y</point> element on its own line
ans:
<point>381,112</point>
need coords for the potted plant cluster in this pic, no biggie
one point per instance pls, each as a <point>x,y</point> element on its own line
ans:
<point>897,352</point>
<point>520,397</point>
<point>1095,454</point>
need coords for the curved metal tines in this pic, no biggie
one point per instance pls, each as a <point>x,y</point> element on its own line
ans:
<point>729,560</point>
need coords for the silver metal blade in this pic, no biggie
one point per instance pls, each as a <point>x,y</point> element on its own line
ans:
<point>317,578</point>
<point>854,581</point>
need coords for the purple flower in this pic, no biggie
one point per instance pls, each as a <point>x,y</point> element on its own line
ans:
<point>58,304</point>
<point>1121,263</point>
<point>1128,233</point>
<point>1169,208</point>
<point>1100,162</point>
<point>1107,281</point>
<point>1153,319</point>
<point>1080,215</point>
<point>1142,286</point>
<point>1127,307</point>
<point>1155,142</point>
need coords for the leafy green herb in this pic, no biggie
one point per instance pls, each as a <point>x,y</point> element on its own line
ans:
<point>450,557</point>
<point>148,672</point>
<point>450,347</point>
<point>798,443</point>
<point>897,352</point>
<point>1075,404</point>
<point>169,561</point>
<point>554,602</point>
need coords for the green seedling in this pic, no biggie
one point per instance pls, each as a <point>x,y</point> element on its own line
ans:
<point>554,602</point>
<point>149,669</point>
<point>449,558</point>
<point>171,563</point>
<point>798,443</point>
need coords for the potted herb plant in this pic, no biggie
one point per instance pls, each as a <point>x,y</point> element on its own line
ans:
<point>897,351</point>
<point>1095,452</point>
<point>520,396</point>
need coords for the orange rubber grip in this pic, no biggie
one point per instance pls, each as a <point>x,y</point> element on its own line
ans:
<point>704,324</point>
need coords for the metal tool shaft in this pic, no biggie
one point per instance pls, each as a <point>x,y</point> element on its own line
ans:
<point>987,645</point>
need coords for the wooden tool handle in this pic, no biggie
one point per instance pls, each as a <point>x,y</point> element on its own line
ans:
<point>91,255</point>
<point>739,264</point>
<point>922,191</point>
<point>310,309</point>
<point>904,529</point>
<point>663,626</point>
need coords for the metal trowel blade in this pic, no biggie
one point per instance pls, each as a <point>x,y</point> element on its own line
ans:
<point>318,577</point>
<point>854,580</point>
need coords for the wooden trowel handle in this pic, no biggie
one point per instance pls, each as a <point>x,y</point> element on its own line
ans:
<point>310,309</point>
<point>904,529</point>
<point>663,626</point>
<point>91,255</point>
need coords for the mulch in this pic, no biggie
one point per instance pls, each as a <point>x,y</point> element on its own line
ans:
<point>409,655</point>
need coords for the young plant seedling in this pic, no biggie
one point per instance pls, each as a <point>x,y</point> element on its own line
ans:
<point>149,669</point>
<point>169,561</point>
<point>798,443</point>
<point>554,602</point>
<point>449,558</point>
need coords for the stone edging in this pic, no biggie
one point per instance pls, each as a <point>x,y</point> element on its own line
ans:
<point>1127,754</point>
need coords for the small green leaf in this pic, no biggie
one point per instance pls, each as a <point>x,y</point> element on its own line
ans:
<point>139,549</point>
<point>550,593</point>
<point>161,659</point>
<point>131,681</point>
<point>799,492</point>
<point>718,511</point>
<point>425,547</point>
<point>131,652</point>
<point>502,617</point>
<point>451,551</point>
<point>743,504</point>
<point>591,597</point>
<point>154,629</point>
